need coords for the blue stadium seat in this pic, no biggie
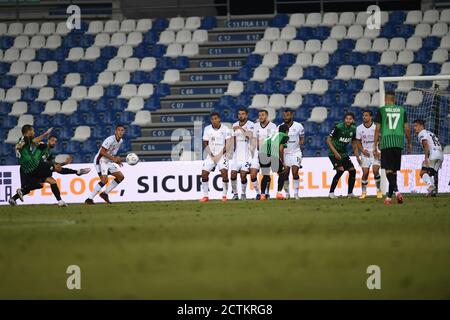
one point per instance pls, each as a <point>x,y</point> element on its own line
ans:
<point>7,81</point>
<point>277,73</point>
<point>286,86</point>
<point>60,54</point>
<point>337,85</point>
<point>108,52</point>
<point>311,100</point>
<point>322,32</point>
<point>112,91</point>
<point>162,90</point>
<point>152,103</point>
<point>279,21</point>
<point>252,87</point>
<point>372,58</point>
<point>389,31</point>
<point>67,67</point>
<point>29,94</point>
<point>208,22</point>
<point>59,120</point>
<point>431,43</point>
<point>127,117</point>
<point>397,70</point>
<point>355,58</point>
<point>9,122</point>
<point>42,121</point>
<point>338,58</point>
<point>133,131</point>
<point>44,54</point>
<point>150,37</point>
<point>269,87</point>
<point>88,79</point>
<point>405,31</point>
<point>160,24</point>
<point>243,100</point>
<point>305,33</point>
<point>329,99</point>
<point>6,42</point>
<point>380,71</point>
<point>329,71</point>
<point>63,133</point>
<point>181,63</point>
<point>62,93</point>
<point>165,63</point>
<point>55,80</point>
<point>431,69</point>
<point>4,67</point>
<point>311,73</point>
<point>139,77</point>
<point>254,60</point>
<point>286,59</point>
<point>397,16</point>
<point>225,101</point>
<point>423,56</point>
<point>346,45</point>
<point>5,108</point>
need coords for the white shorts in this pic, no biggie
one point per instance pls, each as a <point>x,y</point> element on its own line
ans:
<point>237,165</point>
<point>255,161</point>
<point>436,159</point>
<point>105,168</point>
<point>209,165</point>
<point>367,162</point>
<point>293,159</point>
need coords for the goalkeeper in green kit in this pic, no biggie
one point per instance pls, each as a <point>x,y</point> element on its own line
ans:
<point>391,129</point>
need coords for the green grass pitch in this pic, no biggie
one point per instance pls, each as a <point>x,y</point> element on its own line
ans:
<point>305,249</point>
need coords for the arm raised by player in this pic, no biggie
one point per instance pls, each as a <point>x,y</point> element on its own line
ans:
<point>42,136</point>
<point>104,153</point>
<point>408,136</point>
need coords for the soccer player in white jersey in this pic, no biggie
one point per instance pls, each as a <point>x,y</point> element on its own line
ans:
<point>242,156</point>
<point>434,155</point>
<point>107,163</point>
<point>293,153</point>
<point>216,140</point>
<point>365,135</point>
<point>262,129</point>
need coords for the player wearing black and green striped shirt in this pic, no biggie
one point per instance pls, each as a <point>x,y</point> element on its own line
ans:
<point>391,129</point>
<point>338,140</point>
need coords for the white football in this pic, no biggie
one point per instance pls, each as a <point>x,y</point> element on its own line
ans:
<point>132,159</point>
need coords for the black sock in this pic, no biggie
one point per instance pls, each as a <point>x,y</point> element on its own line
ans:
<point>336,178</point>
<point>281,179</point>
<point>392,178</point>
<point>15,197</point>
<point>55,191</point>
<point>67,171</point>
<point>264,183</point>
<point>351,181</point>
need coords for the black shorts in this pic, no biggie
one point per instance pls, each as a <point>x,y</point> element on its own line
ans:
<point>274,163</point>
<point>39,175</point>
<point>345,162</point>
<point>391,159</point>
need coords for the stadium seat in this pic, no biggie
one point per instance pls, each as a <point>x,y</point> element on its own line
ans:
<point>46,94</point>
<point>125,51</point>
<point>405,57</point>
<point>82,133</point>
<point>95,92</point>
<point>338,32</point>
<point>440,29</point>
<point>176,24</point>
<point>15,29</point>
<point>439,56</point>
<point>13,135</point>
<point>414,98</point>
<point>414,69</point>
<point>423,30</point>
<point>304,59</point>
<point>371,85</point>
<point>414,17</point>
<point>371,33</point>
<point>405,86</point>
<point>277,101</point>
<point>190,49</point>
<point>200,36</point>
<point>414,43</point>
<point>294,73</point>
<point>23,81</point>
<point>135,104</point>
<point>362,99</point>
<point>19,108</point>
<point>362,72</point>
<point>105,78</point>
<point>259,101</point>
<point>318,114</point>
<point>262,47</point>
<point>303,86</point>
<point>143,25</point>
<point>61,29</point>
<point>143,118</point>
<point>261,74</point>
<point>111,26</point>
<point>13,95</point>
<point>430,16</point>
<point>37,42</point>
<point>52,107</point>
<point>345,72</point>
<point>313,19</point>
<point>297,19</point>
<point>49,67</point>
<point>48,28</point>
<point>320,59</point>
<point>68,107</point>
<point>388,58</point>
<point>171,76</point>
<point>235,88</point>
<point>92,53</point>
<point>319,86</point>
<point>17,68</point>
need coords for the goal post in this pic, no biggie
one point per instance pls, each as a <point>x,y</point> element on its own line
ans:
<point>426,98</point>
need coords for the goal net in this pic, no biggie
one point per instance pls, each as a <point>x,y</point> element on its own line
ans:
<point>426,98</point>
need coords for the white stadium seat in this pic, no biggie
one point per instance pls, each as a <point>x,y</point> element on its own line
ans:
<point>297,19</point>
<point>338,32</point>
<point>414,43</point>
<point>68,107</point>
<point>440,56</point>
<point>355,32</point>
<point>397,44</point>
<point>52,107</point>
<point>320,59</point>
<point>21,42</point>
<point>388,58</point>
<point>48,28</point>
<point>33,67</point>
<point>37,42</point>
<point>371,33</point>
<point>135,104</point>
<point>13,135</point>
<point>414,17</point>
<point>405,57</point>
<point>200,36</point>
<point>304,59</point>
<point>92,53</point>
<point>293,100</point>
<point>79,93</point>
<point>102,40</point>
<point>15,29</point>
<point>375,101</point>
<point>95,92</point>
<point>72,80</point>
<point>18,108</point>
<point>171,76</point>
<point>363,45</point>
<point>190,49</point>
<point>39,81</point>
<point>329,45</point>
<point>176,24</point>
<point>121,78</point>
<point>23,81</point>
<point>271,34</point>
<point>279,46</point>
<point>166,37</point>
<point>423,30</point>
<point>61,29</point>
<point>362,72</point>
<point>143,25</point>
<point>115,65</point>
<point>183,36</point>
<point>46,94</point>
<point>25,119</point>
<point>372,85</point>
<point>105,78</point>
<point>142,118</point>
<point>192,23</point>
<point>431,16</point>
<point>125,52</point>
<point>145,90</point>
<point>17,67</point>
<point>405,86</point>
<point>380,45</point>
<point>12,95</point>
<point>128,25</point>
<point>445,69</point>
<point>303,86</point>
<point>318,114</point>
<point>414,98</point>
<point>277,101</point>
<point>261,74</point>
<point>128,91</point>
<point>148,64</point>
<point>296,46</point>
<point>288,33</point>
<point>312,46</point>
<point>49,67</point>
<point>362,99</point>
<point>345,72</point>
<point>313,19</point>
<point>53,42</point>
<point>330,19</point>
<point>445,16</point>
<point>118,39</point>
<point>259,101</point>
<point>131,64</point>
<point>414,69</point>
<point>319,86</point>
<point>234,88</point>
<point>111,26</point>
<point>262,47</point>
<point>75,54</point>
<point>134,39</point>
<point>439,29</point>
<point>82,133</point>
<point>174,50</point>
<point>294,73</point>
<point>347,18</point>
<point>270,60</point>
<point>445,42</point>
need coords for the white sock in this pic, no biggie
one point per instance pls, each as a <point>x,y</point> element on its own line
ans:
<point>427,179</point>
<point>244,188</point>
<point>225,189</point>
<point>111,186</point>
<point>364,185</point>
<point>256,186</point>
<point>205,188</point>
<point>296,186</point>
<point>234,186</point>
<point>96,190</point>
<point>286,187</point>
